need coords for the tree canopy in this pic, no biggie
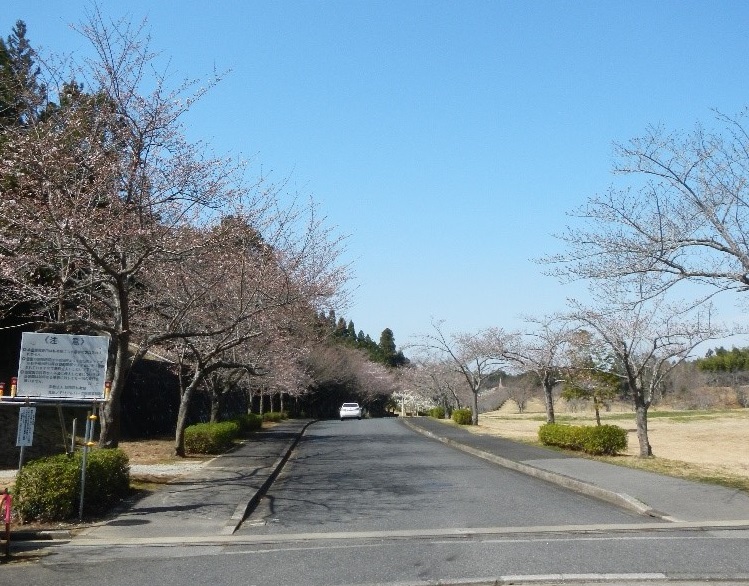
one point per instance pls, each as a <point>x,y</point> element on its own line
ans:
<point>115,224</point>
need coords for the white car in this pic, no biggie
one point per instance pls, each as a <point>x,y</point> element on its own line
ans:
<point>350,411</point>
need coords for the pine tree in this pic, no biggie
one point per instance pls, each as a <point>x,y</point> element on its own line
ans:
<point>387,346</point>
<point>21,94</point>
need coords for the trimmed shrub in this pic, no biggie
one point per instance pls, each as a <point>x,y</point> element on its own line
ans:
<point>48,489</point>
<point>462,416</point>
<point>249,422</point>
<point>210,438</point>
<point>605,439</point>
<point>595,440</point>
<point>107,479</point>
<point>437,412</point>
<point>569,437</point>
<point>275,416</point>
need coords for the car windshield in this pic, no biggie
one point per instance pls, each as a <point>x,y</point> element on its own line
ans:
<point>351,405</point>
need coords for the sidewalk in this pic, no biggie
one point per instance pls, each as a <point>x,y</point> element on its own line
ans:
<point>214,499</point>
<point>664,497</point>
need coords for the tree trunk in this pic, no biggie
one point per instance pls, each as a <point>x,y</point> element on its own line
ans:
<point>109,412</point>
<point>215,405</point>
<point>597,409</point>
<point>641,417</point>
<point>549,399</point>
<point>251,401</point>
<point>475,409</point>
<point>281,401</point>
<point>184,406</point>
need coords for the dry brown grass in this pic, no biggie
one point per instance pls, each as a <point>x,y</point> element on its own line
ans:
<point>155,451</point>
<point>707,445</point>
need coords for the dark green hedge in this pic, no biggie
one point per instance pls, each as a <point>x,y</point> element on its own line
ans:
<point>249,422</point>
<point>48,489</point>
<point>211,438</point>
<point>595,440</point>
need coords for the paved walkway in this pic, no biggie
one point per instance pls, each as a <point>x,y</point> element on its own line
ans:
<point>653,494</point>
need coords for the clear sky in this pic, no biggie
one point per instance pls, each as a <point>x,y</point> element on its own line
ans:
<point>447,139</point>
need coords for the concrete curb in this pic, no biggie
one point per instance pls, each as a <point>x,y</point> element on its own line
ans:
<point>42,535</point>
<point>245,507</point>
<point>620,499</point>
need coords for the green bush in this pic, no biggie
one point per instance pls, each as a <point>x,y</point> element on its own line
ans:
<point>107,479</point>
<point>210,438</point>
<point>462,416</point>
<point>437,412</point>
<point>249,422</point>
<point>48,489</point>
<point>569,437</point>
<point>605,439</point>
<point>275,416</point>
<point>596,440</point>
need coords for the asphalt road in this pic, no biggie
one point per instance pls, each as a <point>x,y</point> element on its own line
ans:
<point>371,502</point>
<point>377,475</point>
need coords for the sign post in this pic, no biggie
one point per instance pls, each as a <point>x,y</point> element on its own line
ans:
<point>25,434</point>
<point>60,367</point>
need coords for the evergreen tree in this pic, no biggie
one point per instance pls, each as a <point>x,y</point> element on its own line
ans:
<point>331,320</point>
<point>341,328</point>
<point>387,343</point>
<point>21,94</point>
<point>388,354</point>
<point>385,352</point>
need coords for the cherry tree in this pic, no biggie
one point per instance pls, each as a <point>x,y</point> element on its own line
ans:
<point>543,350</point>
<point>648,337</point>
<point>95,190</point>
<point>680,212</point>
<point>474,356</point>
<point>436,383</point>
<point>104,197</point>
<point>237,300</point>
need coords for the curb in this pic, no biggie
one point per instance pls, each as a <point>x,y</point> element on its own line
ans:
<point>619,499</point>
<point>245,508</point>
<point>42,535</point>
<point>242,510</point>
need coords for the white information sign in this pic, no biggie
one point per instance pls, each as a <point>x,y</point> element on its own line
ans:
<point>26,418</point>
<point>62,366</point>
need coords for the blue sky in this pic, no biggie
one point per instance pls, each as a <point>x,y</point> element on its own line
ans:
<point>447,139</point>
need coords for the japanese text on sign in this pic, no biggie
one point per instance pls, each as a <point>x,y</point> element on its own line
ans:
<point>26,419</point>
<point>62,366</point>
